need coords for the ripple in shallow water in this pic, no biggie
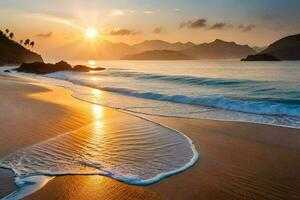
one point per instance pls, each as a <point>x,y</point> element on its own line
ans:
<point>125,148</point>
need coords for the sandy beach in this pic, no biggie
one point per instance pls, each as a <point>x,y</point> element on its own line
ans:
<point>237,160</point>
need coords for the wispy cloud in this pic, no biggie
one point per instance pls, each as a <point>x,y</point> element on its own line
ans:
<point>202,23</point>
<point>246,28</point>
<point>157,30</point>
<point>266,17</point>
<point>220,25</point>
<point>45,35</point>
<point>199,23</point>
<point>56,19</point>
<point>117,12</point>
<point>123,32</point>
<point>148,12</point>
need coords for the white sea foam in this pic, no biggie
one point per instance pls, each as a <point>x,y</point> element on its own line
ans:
<point>27,186</point>
<point>128,149</point>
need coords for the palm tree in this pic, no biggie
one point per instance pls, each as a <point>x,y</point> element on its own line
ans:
<point>11,36</point>
<point>32,44</point>
<point>27,42</point>
<point>6,31</point>
<point>21,41</point>
<point>1,33</point>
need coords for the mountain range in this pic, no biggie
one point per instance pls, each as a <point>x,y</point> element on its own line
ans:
<point>287,48</point>
<point>217,49</point>
<point>110,50</point>
<point>159,55</point>
<point>12,52</point>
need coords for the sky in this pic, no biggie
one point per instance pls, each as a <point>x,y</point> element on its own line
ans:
<point>53,24</point>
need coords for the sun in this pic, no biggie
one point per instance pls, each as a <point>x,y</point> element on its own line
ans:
<point>91,33</point>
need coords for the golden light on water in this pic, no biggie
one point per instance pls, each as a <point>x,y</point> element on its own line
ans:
<point>92,63</point>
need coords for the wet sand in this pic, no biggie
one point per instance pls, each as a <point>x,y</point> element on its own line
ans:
<point>237,160</point>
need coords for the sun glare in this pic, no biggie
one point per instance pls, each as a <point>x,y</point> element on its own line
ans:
<point>91,33</point>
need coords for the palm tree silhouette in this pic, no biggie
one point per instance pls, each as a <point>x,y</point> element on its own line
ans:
<point>27,42</point>
<point>6,31</point>
<point>1,33</point>
<point>11,36</point>
<point>21,41</point>
<point>32,44</point>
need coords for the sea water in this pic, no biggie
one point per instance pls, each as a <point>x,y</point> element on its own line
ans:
<point>257,92</point>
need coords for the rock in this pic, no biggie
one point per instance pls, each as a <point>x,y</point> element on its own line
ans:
<point>260,57</point>
<point>46,68</point>
<point>82,68</point>
<point>63,65</point>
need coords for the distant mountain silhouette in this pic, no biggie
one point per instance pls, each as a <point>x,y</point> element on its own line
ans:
<point>260,57</point>
<point>158,55</point>
<point>105,49</point>
<point>149,45</point>
<point>111,50</point>
<point>258,49</point>
<point>287,48</point>
<point>219,49</point>
<point>13,53</point>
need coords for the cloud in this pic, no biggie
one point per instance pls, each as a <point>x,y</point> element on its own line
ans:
<point>123,32</point>
<point>247,28</point>
<point>157,30</point>
<point>199,23</point>
<point>117,12</point>
<point>219,25</point>
<point>55,19</point>
<point>203,23</point>
<point>266,17</point>
<point>44,35</point>
<point>177,9</point>
<point>148,12</point>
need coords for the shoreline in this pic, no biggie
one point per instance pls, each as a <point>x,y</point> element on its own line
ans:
<point>28,77</point>
<point>202,133</point>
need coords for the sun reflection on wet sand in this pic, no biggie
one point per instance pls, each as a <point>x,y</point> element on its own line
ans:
<point>98,124</point>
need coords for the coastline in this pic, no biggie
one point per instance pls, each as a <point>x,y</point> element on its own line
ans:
<point>238,160</point>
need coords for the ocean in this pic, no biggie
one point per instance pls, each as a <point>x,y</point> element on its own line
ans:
<point>256,92</point>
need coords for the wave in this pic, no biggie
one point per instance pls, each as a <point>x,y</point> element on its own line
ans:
<point>261,106</point>
<point>265,108</point>
<point>181,79</point>
<point>284,110</point>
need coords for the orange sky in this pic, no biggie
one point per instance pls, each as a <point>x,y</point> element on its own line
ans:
<point>57,25</point>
